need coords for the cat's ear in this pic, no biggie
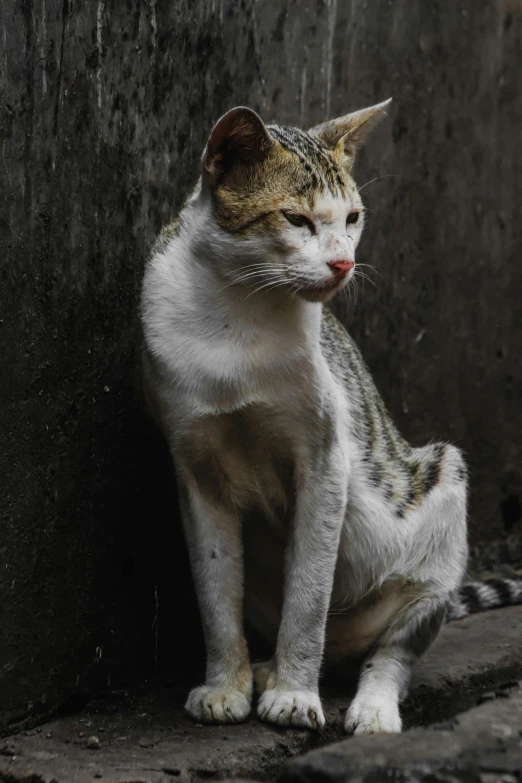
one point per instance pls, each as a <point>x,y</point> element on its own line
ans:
<point>349,132</point>
<point>239,135</point>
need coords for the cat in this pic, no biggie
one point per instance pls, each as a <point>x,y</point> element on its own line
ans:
<point>303,507</point>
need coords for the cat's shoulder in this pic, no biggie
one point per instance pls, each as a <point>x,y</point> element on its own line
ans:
<point>335,338</point>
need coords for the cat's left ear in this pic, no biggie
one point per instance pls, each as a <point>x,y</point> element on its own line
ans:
<point>349,132</point>
<point>240,135</point>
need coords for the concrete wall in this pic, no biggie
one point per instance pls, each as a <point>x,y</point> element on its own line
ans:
<point>106,107</point>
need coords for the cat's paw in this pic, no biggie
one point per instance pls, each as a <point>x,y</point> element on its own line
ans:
<point>217,705</point>
<point>372,716</point>
<point>261,672</point>
<point>291,708</point>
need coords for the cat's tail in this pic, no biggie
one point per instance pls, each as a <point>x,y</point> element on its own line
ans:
<point>480,595</point>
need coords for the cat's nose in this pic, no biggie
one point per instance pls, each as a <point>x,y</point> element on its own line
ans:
<point>341,267</point>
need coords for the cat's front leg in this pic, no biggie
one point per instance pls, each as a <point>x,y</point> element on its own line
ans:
<point>291,697</point>
<point>213,535</point>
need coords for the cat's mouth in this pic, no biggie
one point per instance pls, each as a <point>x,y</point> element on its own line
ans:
<point>319,292</point>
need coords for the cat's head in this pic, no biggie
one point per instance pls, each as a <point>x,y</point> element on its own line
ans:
<point>285,213</point>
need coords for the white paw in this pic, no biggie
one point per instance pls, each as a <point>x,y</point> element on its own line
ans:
<point>217,705</point>
<point>291,708</point>
<point>261,672</point>
<point>372,716</point>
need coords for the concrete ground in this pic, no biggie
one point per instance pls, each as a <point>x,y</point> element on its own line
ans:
<point>144,737</point>
<point>481,745</point>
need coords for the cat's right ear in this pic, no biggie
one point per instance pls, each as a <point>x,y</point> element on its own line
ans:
<point>239,135</point>
<point>349,132</point>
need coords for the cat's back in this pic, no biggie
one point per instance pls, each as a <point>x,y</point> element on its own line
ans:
<point>349,368</point>
<point>395,473</point>
<point>382,449</point>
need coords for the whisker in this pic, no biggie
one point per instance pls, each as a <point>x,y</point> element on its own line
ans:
<point>369,266</point>
<point>252,274</point>
<point>347,291</point>
<point>364,277</point>
<point>252,266</point>
<point>253,270</point>
<point>269,285</point>
<point>375,179</point>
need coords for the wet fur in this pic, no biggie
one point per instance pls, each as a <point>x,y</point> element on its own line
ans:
<point>300,500</point>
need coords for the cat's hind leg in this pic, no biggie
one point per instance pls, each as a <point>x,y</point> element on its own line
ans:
<point>261,672</point>
<point>433,565</point>
<point>386,672</point>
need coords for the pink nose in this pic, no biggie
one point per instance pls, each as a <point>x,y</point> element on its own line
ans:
<point>341,267</point>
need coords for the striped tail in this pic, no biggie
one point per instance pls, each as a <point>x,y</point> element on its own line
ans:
<point>479,596</point>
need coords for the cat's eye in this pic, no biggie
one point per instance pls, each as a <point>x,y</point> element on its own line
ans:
<point>353,217</point>
<point>299,220</point>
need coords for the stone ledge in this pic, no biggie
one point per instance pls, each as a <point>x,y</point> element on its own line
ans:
<point>470,656</point>
<point>144,737</point>
<point>483,745</point>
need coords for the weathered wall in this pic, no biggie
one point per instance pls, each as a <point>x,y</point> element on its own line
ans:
<point>106,107</point>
